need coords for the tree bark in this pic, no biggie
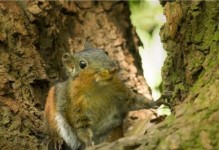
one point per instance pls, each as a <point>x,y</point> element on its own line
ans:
<point>190,37</point>
<point>33,37</point>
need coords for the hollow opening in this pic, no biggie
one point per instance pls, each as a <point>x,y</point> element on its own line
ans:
<point>147,18</point>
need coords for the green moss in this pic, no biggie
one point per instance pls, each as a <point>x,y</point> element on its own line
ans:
<point>216,36</point>
<point>213,108</point>
<point>180,87</point>
<point>192,142</point>
<point>214,132</point>
<point>169,120</point>
<point>198,37</point>
<point>210,30</point>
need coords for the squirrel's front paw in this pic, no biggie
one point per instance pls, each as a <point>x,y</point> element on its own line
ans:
<point>163,100</point>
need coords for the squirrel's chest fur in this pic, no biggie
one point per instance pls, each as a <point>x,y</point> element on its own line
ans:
<point>103,105</point>
<point>105,110</point>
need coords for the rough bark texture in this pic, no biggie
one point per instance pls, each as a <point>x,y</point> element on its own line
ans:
<point>33,38</point>
<point>191,71</point>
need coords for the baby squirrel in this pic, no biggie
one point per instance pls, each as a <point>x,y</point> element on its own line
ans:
<point>89,107</point>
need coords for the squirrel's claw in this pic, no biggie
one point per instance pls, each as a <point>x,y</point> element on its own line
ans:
<point>164,99</point>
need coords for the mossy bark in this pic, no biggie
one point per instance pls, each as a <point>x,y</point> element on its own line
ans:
<point>33,37</point>
<point>191,72</point>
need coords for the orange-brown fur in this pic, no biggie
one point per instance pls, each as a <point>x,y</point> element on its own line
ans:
<point>49,113</point>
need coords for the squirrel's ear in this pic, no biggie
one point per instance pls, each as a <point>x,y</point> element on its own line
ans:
<point>66,57</point>
<point>68,62</point>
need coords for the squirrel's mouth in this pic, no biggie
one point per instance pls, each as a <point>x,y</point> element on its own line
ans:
<point>106,75</point>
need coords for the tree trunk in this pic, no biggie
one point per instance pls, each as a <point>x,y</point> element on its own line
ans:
<point>33,37</point>
<point>191,72</point>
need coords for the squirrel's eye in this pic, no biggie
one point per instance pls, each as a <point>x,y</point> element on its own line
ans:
<point>106,53</point>
<point>82,64</point>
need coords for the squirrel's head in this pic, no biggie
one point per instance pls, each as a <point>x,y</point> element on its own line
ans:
<point>90,62</point>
